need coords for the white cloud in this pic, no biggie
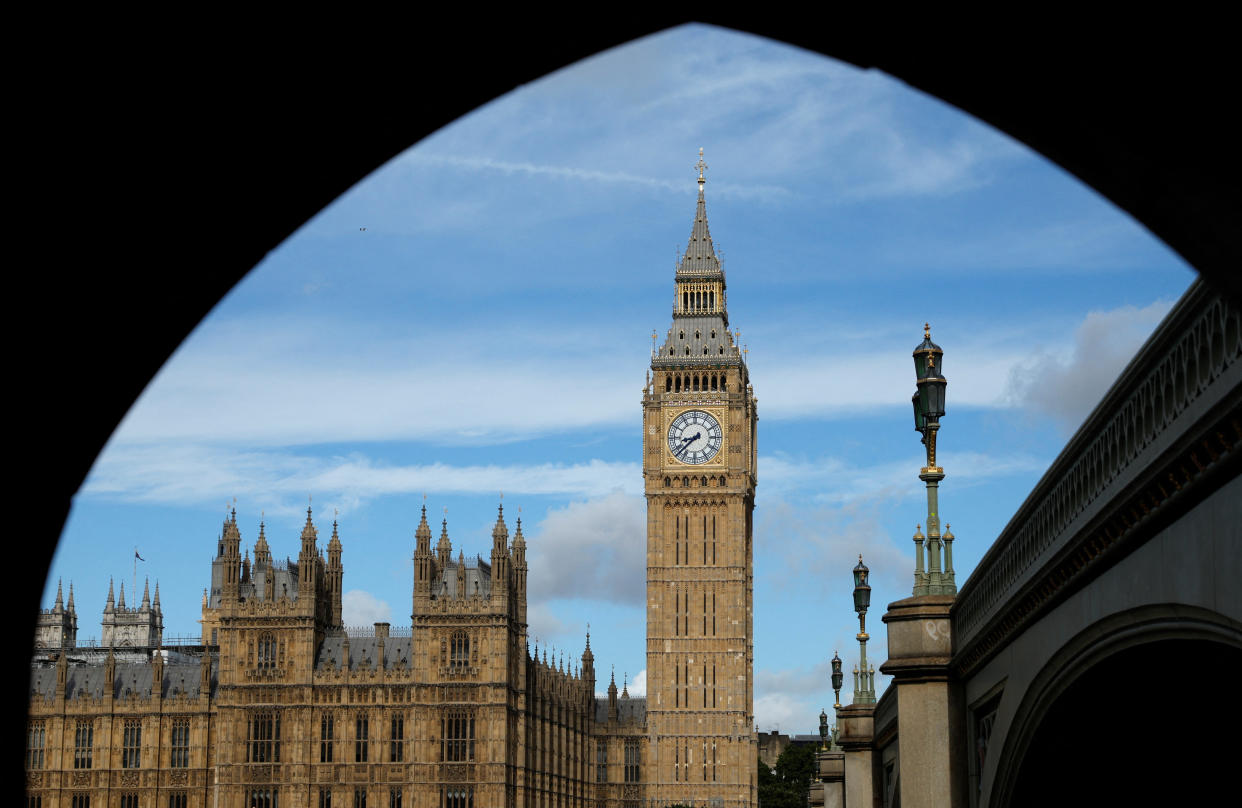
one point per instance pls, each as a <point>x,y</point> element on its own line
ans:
<point>638,687</point>
<point>279,481</point>
<point>284,385</point>
<point>594,549</point>
<point>792,716</point>
<point>790,699</point>
<point>359,608</point>
<point>824,383</point>
<point>799,681</point>
<point>1069,384</point>
<point>261,384</point>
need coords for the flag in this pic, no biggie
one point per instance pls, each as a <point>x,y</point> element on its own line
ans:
<point>140,558</point>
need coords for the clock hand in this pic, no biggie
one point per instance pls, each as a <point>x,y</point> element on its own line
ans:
<point>685,444</point>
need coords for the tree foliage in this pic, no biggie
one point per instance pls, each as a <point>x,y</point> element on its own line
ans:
<point>787,785</point>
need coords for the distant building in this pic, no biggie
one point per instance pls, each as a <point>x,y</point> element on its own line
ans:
<point>773,743</point>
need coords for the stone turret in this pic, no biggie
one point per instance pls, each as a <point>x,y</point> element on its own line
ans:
<point>612,697</point>
<point>444,549</point>
<point>138,627</point>
<point>500,552</point>
<point>335,572</point>
<point>57,627</point>
<point>423,559</point>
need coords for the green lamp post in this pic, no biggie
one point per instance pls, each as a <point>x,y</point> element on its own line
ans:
<point>837,678</point>
<point>929,408</point>
<point>864,677</point>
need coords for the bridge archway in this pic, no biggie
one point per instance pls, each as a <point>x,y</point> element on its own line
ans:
<point>267,155</point>
<point>1128,710</point>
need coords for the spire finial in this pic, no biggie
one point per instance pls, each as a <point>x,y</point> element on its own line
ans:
<point>701,167</point>
<point>926,330</point>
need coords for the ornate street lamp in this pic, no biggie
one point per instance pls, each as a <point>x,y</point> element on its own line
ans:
<point>837,678</point>
<point>928,401</point>
<point>864,685</point>
<point>823,730</point>
<point>862,590</point>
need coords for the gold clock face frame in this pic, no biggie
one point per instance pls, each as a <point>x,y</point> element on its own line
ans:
<point>695,436</point>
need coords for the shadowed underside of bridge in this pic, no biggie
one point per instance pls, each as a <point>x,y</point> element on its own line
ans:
<point>1152,724</point>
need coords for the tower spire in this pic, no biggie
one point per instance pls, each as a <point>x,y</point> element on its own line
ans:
<point>700,331</point>
<point>700,259</point>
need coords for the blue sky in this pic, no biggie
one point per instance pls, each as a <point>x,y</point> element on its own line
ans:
<point>490,327</point>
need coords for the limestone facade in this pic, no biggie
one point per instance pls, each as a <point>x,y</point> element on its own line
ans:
<point>699,421</point>
<point>281,706</point>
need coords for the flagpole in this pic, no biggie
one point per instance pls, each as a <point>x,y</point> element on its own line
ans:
<point>133,592</point>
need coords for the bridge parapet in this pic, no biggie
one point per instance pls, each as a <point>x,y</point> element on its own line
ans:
<point>1164,435</point>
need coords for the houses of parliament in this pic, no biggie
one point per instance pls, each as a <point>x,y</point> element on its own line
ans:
<point>280,706</point>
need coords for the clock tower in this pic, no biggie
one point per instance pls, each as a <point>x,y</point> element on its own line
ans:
<point>699,418</point>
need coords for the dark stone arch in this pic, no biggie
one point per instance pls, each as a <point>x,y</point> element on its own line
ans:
<point>1151,135</point>
<point>1106,719</point>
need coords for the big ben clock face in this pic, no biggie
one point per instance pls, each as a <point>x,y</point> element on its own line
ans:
<point>694,437</point>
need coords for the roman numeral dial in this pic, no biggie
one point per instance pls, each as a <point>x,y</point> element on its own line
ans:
<point>694,437</point>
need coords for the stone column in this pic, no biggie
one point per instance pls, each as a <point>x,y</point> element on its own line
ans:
<point>828,789</point>
<point>929,733</point>
<point>856,724</point>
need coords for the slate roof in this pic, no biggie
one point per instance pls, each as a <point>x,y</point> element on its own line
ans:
<point>478,580</point>
<point>705,336</point>
<point>364,653</point>
<point>86,677</point>
<point>631,709</point>
<point>700,260</point>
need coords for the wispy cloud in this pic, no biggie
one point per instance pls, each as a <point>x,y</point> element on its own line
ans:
<point>195,475</point>
<point>484,164</point>
<point>260,384</point>
<point>761,108</point>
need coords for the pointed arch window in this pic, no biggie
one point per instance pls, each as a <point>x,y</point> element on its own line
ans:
<point>266,652</point>
<point>263,738</point>
<point>459,649</point>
